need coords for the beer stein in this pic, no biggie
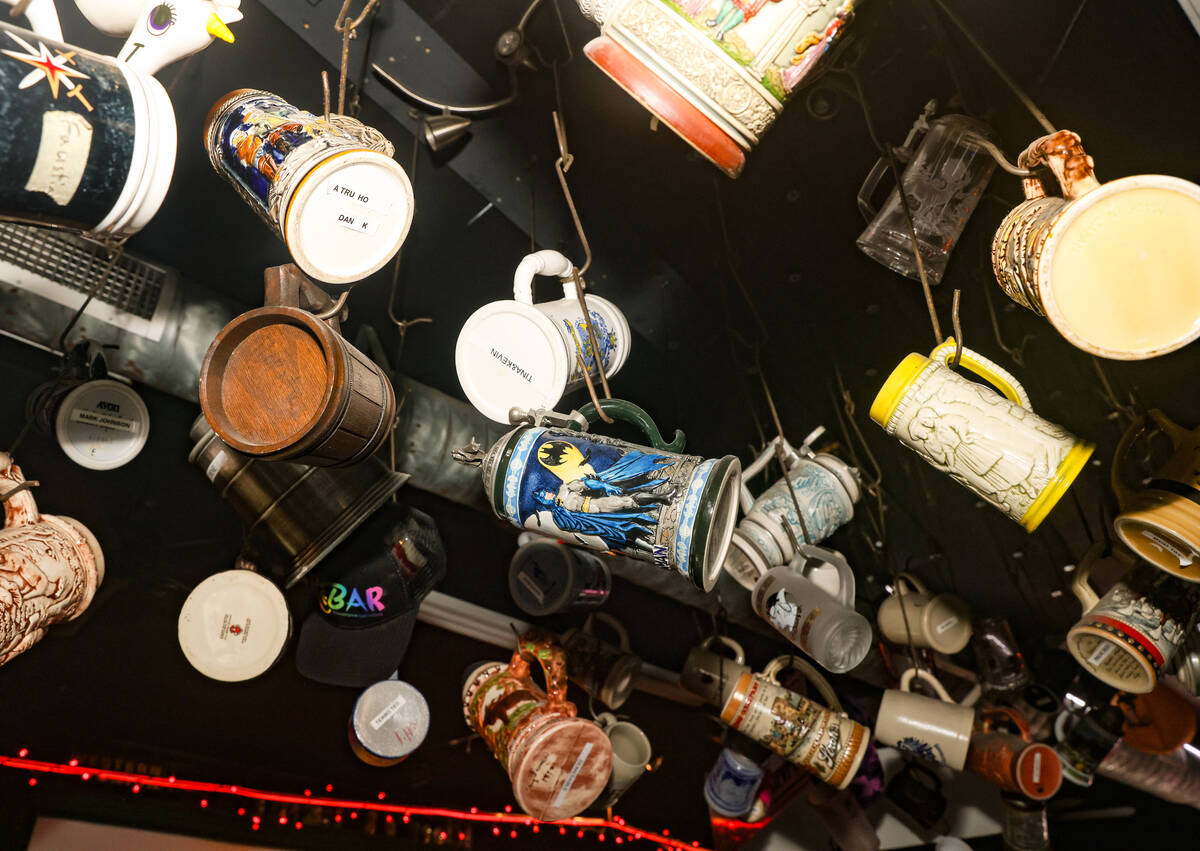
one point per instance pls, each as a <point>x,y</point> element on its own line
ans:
<point>389,722</point>
<point>995,446</point>
<point>631,754</point>
<point>717,72</point>
<point>1002,667</point>
<point>912,614</point>
<point>824,626</point>
<point>1016,766</point>
<point>732,784</point>
<point>1038,706</point>
<point>826,489</point>
<point>712,675</point>
<point>646,502</point>
<point>234,625</point>
<point>605,672</point>
<point>935,729</point>
<point>943,183</point>
<point>917,791</point>
<point>1111,266</point>
<point>558,763</point>
<point>1025,825</point>
<point>1161,522</point>
<point>824,742</point>
<point>546,577</point>
<point>1085,740</point>
<point>50,566</point>
<point>517,354</point>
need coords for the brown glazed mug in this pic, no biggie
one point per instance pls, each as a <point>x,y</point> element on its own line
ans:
<point>1161,721</point>
<point>1015,765</point>
<point>1161,522</point>
<point>558,763</point>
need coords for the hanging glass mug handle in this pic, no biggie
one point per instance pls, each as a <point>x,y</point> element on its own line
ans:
<point>988,370</point>
<point>612,623</point>
<point>809,672</point>
<point>630,413</point>
<point>1177,434</point>
<point>543,647</point>
<point>845,594</point>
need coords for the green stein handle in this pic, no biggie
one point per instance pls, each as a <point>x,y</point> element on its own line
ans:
<point>630,413</point>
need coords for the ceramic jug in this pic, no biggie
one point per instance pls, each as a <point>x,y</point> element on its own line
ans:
<point>823,741</point>
<point>941,622</point>
<point>549,475</point>
<point>717,72</point>
<point>1113,266</point>
<point>1161,522</point>
<point>824,486</point>
<point>993,445</point>
<point>50,566</point>
<point>558,763</point>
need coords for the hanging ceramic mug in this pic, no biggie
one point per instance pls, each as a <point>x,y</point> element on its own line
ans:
<point>631,755</point>
<point>89,142</point>
<point>1015,764</point>
<point>605,672</point>
<point>1113,266</point>
<point>995,446</point>
<point>732,784</point>
<point>558,763</point>
<point>936,730</point>
<point>824,742</point>
<point>389,722</point>
<point>645,502</point>
<point>1161,522</point>
<point>282,384</point>
<point>546,577</point>
<point>330,189</point>
<point>941,622</point>
<point>712,675</point>
<point>517,354</point>
<point>825,627</point>
<point>717,72</point>
<point>50,566</point>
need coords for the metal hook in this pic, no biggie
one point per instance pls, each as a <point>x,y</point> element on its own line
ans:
<point>325,88</point>
<point>561,165</point>
<point>958,337</point>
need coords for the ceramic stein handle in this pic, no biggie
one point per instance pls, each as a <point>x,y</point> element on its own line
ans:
<point>907,677</point>
<point>986,717</point>
<point>914,583</point>
<point>1080,586</point>
<point>544,647</point>
<point>810,673</point>
<point>988,370</point>
<point>630,413</point>
<point>740,658</point>
<point>845,594</point>
<point>20,508</point>
<point>1123,491</point>
<point>606,720</point>
<point>615,625</point>
<point>1063,154</point>
<point>546,262</point>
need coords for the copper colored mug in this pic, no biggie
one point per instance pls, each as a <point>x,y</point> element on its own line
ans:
<point>1030,769</point>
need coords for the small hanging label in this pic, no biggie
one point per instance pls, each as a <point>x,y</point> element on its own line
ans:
<point>570,781</point>
<point>1103,650</point>
<point>525,579</point>
<point>358,194</point>
<point>388,712</point>
<point>358,223</point>
<point>946,624</point>
<point>107,421</point>
<point>1037,768</point>
<point>62,156</point>
<point>1185,559</point>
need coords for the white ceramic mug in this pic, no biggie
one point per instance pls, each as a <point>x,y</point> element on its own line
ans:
<point>941,622</point>
<point>825,627</point>
<point>631,754</point>
<point>935,729</point>
<point>998,448</point>
<point>517,354</point>
<point>712,675</point>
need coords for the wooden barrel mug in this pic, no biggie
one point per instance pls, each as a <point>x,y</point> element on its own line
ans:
<point>280,383</point>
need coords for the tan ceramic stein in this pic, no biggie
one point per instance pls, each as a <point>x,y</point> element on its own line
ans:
<point>558,763</point>
<point>938,621</point>
<point>935,729</point>
<point>1161,522</point>
<point>50,567</point>
<point>1114,266</point>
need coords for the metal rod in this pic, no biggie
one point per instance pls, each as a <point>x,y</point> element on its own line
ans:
<point>461,109</point>
<point>916,246</point>
<point>587,323</point>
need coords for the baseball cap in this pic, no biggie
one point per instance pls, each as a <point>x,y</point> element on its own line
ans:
<point>367,596</point>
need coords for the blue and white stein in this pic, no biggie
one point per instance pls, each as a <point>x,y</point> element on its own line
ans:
<point>646,502</point>
<point>732,783</point>
<point>826,489</point>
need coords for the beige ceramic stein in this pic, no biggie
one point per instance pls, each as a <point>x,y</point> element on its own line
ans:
<point>941,622</point>
<point>1161,522</point>
<point>936,730</point>
<point>50,567</point>
<point>1114,266</point>
<point>995,446</point>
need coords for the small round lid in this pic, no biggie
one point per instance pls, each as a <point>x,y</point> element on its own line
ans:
<point>540,578</point>
<point>509,355</point>
<point>234,625</point>
<point>1039,772</point>
<point>102,424</point>
<point>390,719</point>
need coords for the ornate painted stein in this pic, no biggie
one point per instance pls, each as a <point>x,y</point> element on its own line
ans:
<point>717,72</point>
<point>1161,522</point>
<point>330,189</point>
<point>935,729</point>
<point>1113,266</point>
<point>646,502</point>
<point>517,354</point>
<point>732,784</point>
<point>1016,766</point>
<point>89,141</point>
<point>826,489</point>
<point>558,763</point>
<point>606,672</point>
<point>50,566</point>
<point>941,622</point>
<point>546,577</point>
<point>1126,637</point>
<point>997,447</point>
<point>824,742</point>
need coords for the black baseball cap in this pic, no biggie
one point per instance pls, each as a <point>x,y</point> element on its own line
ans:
<point>367,596</point>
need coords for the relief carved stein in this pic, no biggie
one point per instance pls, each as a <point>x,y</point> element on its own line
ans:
<point>551,476</point>
<point>717,72</point>
<point>995,446</point>
<point>558,763</point>
<point>1113,266</point>
<point>50,566</point>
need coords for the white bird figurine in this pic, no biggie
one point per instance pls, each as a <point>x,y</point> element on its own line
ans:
<point>165,32</point>
<point>43,18</point>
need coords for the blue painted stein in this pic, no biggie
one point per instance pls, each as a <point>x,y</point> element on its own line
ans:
<point>646,502</point>
<point>732,783</point>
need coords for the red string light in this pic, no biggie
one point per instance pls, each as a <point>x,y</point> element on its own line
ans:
<point>32,781</point>
<point>203,802</point>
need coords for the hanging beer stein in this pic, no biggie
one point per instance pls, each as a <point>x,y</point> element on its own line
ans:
<point>330,189</point>
<point>711,675</point>
<point>1015,765</point>
<point>234,625</point>
<point>517,354</point>
<point>280,383</point>
<point>558,763</point>
<point>50,566</point>
<point>1161,522</point>
<point>551,476</point>
<point>941,622</point>
<point>1113,266</point>
<point>824,742</point>
<point>546,577</point>
<point>717,72</point>
<point>606,672</point>
<point>824,486</point>
<point>998,448</point>
<point>935,729</point>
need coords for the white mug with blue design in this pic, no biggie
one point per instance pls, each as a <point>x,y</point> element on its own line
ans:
<point>935,729</point>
